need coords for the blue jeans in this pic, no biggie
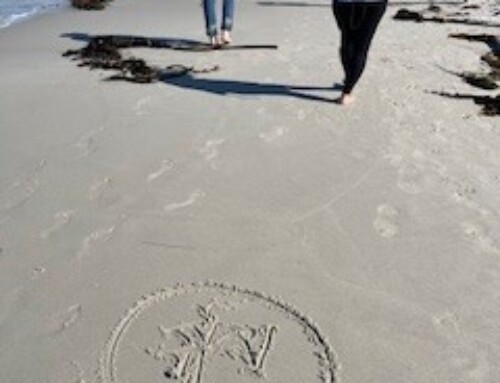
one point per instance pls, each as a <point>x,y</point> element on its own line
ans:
<point>211,16</point>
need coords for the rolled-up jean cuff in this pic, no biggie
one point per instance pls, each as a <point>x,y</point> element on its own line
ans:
<point>227,24</point>
<point>212,31</point>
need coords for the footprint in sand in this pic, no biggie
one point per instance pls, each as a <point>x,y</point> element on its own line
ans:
<point>480,238</point>
<point>165,167</point>
<point>101,192</point>
<point>385,222</point>
<point>38,271</point>
<point>410,179</point>
<point>97,189</point>
<point>471,365</point>
<point>463,193</point>
<point>274,134</point>
<point>140,105</point>
<point>86,145</point>
<point>80,372</point>
<point>462,358</point>
<point>301,115</point>
<point>69,317</point>
<point>261,111</point>
<point>447,324</point>
<point>210,151</point>
<point>99,236</point>
<point>61,219</point>
<point>193,197</point>
<point>21,190</point>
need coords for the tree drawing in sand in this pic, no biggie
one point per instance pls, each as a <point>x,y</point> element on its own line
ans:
<point>187,349</point>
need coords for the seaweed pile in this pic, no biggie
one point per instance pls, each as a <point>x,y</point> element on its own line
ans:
<point>466,14</point>
<point>103,52</point>
<point>485,81</point>
<point>490,104</point>
<point>90,4</point>
<point>489,81</point>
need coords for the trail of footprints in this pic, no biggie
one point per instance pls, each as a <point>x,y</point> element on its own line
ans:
<point>425,171</point>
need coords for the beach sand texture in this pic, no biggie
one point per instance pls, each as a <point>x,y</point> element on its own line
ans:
<point>229,229</point>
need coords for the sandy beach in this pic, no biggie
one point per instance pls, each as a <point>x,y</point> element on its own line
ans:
<point>238,225</point>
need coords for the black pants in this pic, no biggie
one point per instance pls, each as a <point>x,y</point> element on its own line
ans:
<point>357,22</point>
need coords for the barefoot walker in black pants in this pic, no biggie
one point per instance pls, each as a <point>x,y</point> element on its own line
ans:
<point>357,21</point>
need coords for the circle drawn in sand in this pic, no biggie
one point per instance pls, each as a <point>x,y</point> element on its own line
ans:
<point>211,332</point>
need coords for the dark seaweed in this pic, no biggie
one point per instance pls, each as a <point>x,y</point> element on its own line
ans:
<point>90,5</point>
<point>490,104</point>
<point>103,53</point>
<point>404,14</point>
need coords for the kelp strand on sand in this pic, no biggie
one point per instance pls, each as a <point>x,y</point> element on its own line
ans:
<point>404,14</point>
<point>491,40</point>
<point>90,5</point>
<point>490,104</point>
<point>103,53</point>
<point>492,58</point>
<point>484,81</point>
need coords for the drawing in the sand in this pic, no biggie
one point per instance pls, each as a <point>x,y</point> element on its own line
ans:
<point>208,338</point>
<point>208,332</point>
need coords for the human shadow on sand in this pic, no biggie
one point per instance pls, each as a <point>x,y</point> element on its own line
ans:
<point>121,41</point>
<point>104,52</point>
<point>223,87</point>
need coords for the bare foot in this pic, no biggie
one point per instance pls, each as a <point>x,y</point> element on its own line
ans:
<point>226,37</point>
<point>215,41</point>
<point>346,99</point>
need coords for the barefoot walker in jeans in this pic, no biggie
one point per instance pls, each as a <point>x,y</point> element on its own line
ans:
<point>211,21</point>
<point>357,21</point>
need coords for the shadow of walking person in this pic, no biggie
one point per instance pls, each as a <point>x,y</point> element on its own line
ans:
<point>223,87</point>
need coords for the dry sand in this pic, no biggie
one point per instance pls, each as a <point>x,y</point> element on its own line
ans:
<point>156,233</point>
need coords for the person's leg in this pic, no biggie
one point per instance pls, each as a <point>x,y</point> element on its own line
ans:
<point>366,20</point>
<point>210,19</point>
<point>344,13</point>
<point>227,20</point>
